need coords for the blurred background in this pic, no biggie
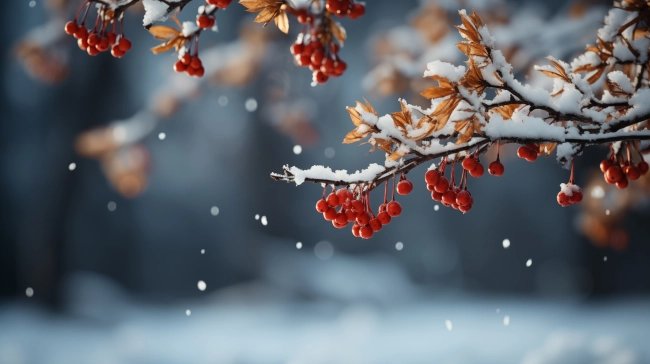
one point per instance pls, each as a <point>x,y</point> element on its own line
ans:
<point>139,224</point>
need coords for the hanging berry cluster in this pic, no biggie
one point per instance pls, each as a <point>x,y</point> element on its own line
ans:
<point>353,205</point>
<point>570,193</point>
<point>619,168</point>
<point>447,192</point>
<point>104,35</point>
<point>317,46</point>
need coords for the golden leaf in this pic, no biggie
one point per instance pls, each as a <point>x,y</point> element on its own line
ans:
<point>506,111</point>
<point>176,42</point>
<point>438,92</point>
<point>266,15</point>
<point>339,32</point>
<point>383,144</point>
<point>593,78</point>
<point>162,32</point>
<point>353,137</point>
<point>282,22</point>
<point>442,113</point>
<point>355,116</point>
<point>640,33</point>
<point>472,49</point>
<point>466,136</point>
<point>397,154</point>
<point>367,107</point>
<point>471,35</point>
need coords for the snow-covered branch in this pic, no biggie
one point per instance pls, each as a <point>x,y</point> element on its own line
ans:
<point>464,121</point>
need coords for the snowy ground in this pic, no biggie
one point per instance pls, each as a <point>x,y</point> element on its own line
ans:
<point>263,323</point>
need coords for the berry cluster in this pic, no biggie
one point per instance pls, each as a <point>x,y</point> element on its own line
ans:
<point>324,61</point>
<point>528,152</point>
<point>102,37</point>
<point>190,64</point>
<point>446,192</point>
<point>316,46</point>
<point>620,172</point>
<point>569,194</point>
<point>342,8</point>
<point>354,207</point>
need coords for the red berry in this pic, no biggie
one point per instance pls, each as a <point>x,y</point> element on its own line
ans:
<point>576,197</point>
<point>469,163</point>
<point>342,194</point>
<point>366,232</point>
<point>465,208</point>
<point>449,197</point>
<point>186,59</point>
<point>463,198</point>
<point>93,39</point>
<point>82,43</point>
<point>341,219</point>
<point>317,58</point>
<point>523,152</point>
<point>82,33</point>
<point>191,71</point>
<point>203,21</point>
<point>357,11</point>
<point>340,67</point>
<point>643,167</point>
<point>382,207</point>
<point>394,208</point>
<point>196,63</point>
<point>632,172</point>
<point>432,177</point>
<point>442,185</point>
<point>322,206</point>
<point>563,199</point>
<point>614,174</point>
<point>334,6</point>
<point>315,45</point>
<point>375,225</point>
<point>92,51</point>
<point>363,218</point>
<point>334,48</point>
<point>352,217</point>
<point>180,67</point>
<point>303,60</point>
<point>297,48</point>
<point>404,187</point>
<point>330,214</point>
<point>478,171</point>
<point>112,38</point>
<point>355,230</point>
<point>222,3</point>
<point>124,44</point>
<point>357,205</point>
<point>623,183</point>
<point>339,226</point>
<point>71,27</point>
<point>199,72</point>
<point>116,52</point>
<point>333,199</point>
<point>436,196</point>
<point>320,77</point>
<point>103,45</point>
<point>302,16</point>
<point>532,156</point>
<point>604,165</point>
<point>384,218</point>
<point>496,168</point>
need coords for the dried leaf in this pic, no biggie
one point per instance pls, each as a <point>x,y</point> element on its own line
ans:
<point>397,154</point>
<point>339,32</point>
<point>162,32</point>
<point>175,42</point>
<point>384,144</point>
<point>596,76</point>
<point>282,22</point>
<point>466,136</point>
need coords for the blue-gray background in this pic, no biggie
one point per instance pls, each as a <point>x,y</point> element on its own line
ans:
<point>58,237</point>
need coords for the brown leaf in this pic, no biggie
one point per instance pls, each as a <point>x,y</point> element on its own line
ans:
<point>472,49</point>
<point>383,144</point>
<point>355,116</point>
<point>397,154</point>
<point>282,22</point>
<point>466,136</point>
<point>593,78</point>
<point>162,32</point>
<point>353,137</point>
<point>561,71</point>
<point>175,42</point>
<point>338,32</point>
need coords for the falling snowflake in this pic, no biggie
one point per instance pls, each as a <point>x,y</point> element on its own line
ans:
<point>162,136</point>
<point>297,149</point>
<point>506,243</point>
<point>29,292</point>
<point>299,245</point>
<point>399,245</point>
<point>214,211</point>
<point>112,206</point>
<point>188,312</point>
<point>264,221</point>
<point>72,166</point>
<point>506,320</point>
<point>202,286</point>
<point>529,262</point>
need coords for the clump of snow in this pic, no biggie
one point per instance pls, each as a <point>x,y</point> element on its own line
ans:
<point>189,28</point>
<point>446,70</point>
<point>155,11</point>
<point>569,189</point>
<point>326,173</point>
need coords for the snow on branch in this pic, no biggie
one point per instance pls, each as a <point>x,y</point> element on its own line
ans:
<point>463,121</point>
